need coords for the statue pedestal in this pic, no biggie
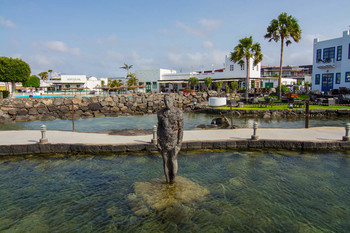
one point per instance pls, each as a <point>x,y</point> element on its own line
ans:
<point>157,195</point>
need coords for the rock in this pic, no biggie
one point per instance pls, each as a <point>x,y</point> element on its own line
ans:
<point>22,118</point>
<point>94,106</point>
<point>156,195</point>
<point>221,122</point>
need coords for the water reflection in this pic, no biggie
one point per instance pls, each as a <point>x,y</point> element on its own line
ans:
<point>247,191</point>
<point>147,122</point>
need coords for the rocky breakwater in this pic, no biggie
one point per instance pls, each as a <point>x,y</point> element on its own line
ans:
<point>30,109</point>
<point>280,113</point>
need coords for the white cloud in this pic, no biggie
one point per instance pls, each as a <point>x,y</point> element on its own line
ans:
<point>204,27</point>
<point>189,29</point>
<point>115,55</point>
<point>207,44</point>
<point>166,32</point>
<point>112,39</point>
<point>59,46</point>
<point>210,24</point>
<point>7,23</point>
<point>197,60</point>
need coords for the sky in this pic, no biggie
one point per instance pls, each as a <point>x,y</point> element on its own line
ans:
<point>96,37</point>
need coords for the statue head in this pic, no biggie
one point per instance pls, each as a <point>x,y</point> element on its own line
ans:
<point>168,100</point>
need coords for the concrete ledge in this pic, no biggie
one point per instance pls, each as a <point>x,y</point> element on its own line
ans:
<point>25,149</point>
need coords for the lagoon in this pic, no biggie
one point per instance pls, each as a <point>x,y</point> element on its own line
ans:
<point>249,191</point>
<point>148,121</point>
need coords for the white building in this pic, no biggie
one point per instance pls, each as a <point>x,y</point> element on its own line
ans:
<point>164,79</point>
<point>331,63</point>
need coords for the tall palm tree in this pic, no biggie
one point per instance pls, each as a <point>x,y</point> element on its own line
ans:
<point>282,28</point>
<point>127,68</point>
<point>242,54</point>
<point>50,71</point>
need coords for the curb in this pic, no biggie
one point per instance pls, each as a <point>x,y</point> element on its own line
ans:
<point>37,149</point>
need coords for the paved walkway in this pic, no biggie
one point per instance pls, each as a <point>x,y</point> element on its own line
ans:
<point>16,137</point>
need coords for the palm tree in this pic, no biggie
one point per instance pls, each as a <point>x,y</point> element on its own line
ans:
<point>132,80</point>
<point>50,71</point>
<point>242,54</point>
<point>282,29</point>
<point>208,81</point>
<point>127,68</point>
<point>193,81</point>
<point>43,75</point>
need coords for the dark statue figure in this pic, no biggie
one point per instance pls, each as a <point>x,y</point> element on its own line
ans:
<point>169,135</point>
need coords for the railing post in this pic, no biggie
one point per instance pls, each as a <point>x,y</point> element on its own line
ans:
<point>255,127</point>
<point>43,138</point>
<point>307,114</point>
<point>347,129</point>
<point>154,139</point>
<point>73,116</point>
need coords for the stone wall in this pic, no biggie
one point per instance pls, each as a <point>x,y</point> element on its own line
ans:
<point>31,149</point>
<point>280,113</point>
<point>30,109</point>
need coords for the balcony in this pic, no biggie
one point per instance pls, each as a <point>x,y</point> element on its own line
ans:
<point>327,63</point>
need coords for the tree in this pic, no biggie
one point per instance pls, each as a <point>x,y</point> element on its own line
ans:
<point>242,54</point>
<point>234,86</point>
<point>282,29</point>
<point>127,68</point>
<point>193,82</point>
<point>208,81</point>
<point>43,75</point>
<point>218,85</point>
<point>13,70</point>
<point>115,83</point>
<point>132,80</point>
<point>50,71</point>
<point>33,81</point>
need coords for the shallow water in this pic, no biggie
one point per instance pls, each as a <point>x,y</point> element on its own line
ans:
<point>147,122</point>
<point>250,191</point>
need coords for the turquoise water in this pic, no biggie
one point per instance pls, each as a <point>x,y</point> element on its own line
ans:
<point>250,191</point>
<point>147,122</point>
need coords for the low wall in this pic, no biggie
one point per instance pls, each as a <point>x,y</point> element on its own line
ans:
<point>30,109</point>
<point>279,113</point>
<point>30,149</point>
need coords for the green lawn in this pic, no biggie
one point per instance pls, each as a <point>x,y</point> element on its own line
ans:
<point>283,106</point>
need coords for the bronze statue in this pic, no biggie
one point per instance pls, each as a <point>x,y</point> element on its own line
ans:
<point>169,135</point>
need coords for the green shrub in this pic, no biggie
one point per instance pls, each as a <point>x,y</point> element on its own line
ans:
<point>5,93</point>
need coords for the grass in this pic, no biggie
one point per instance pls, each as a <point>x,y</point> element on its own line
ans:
<point>283,106</point>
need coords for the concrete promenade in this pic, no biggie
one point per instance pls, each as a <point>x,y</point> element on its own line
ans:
<point>319,134</point>
<point>24,142</point>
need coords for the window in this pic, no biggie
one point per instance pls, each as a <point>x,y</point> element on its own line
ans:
<point>337,78</point>
<point>318,55</point>
<point>154,85</point>
<point>328,53</point>
<point>232,68</point>
<point>317,79</point>
<point>347,77</point>
<point>339,52</point>
<point>349,52</point>
<point>242,67</point>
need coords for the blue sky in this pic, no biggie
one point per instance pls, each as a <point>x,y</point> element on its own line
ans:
<point>97,37</point>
